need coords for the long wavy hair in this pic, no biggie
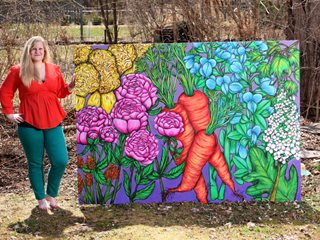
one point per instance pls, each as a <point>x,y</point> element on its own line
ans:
<point>26,65</point>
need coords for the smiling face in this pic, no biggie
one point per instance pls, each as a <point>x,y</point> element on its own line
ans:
<point>37,52</point>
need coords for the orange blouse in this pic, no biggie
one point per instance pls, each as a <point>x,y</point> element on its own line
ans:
<point>39,104</point>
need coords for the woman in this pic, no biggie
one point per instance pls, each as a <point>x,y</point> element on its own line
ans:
<point>40,84</point>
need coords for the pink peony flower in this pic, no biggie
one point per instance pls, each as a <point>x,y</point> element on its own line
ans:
<point>137,86</point>
<point>109,134</point>
<point>169,124</point>
<point>142,146</point>
<point>89,121</point>
<point>129,115</point>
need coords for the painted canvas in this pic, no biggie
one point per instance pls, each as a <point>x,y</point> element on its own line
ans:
<point>203,122</point>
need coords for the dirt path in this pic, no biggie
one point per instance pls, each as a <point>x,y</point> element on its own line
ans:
<point>20,218</point>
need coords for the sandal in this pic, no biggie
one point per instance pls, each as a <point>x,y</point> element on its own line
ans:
<point>43,205</point>
<point>52,202</point>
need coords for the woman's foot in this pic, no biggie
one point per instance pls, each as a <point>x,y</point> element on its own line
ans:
<point>52,201</point>
<point>43,204</point>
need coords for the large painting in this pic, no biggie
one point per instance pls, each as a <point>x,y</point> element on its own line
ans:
<point>203,122</point>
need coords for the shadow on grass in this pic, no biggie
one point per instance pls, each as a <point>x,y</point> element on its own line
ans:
<point>42,223</point>
<point>189,214</point>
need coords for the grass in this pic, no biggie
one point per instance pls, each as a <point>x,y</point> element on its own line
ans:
<point>95,33</point>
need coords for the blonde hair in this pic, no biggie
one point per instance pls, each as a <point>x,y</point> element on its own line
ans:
<point>26,64</point>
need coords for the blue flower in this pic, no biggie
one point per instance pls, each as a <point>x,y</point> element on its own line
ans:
<point>224,82</point>
<point>236,67</point>
<point>235,87</point>
<point>252,100</point>
<point>271,110</point>
<point>189,60</point>
<point>211,83</point>
<point>196,44</point>
<point>253,133</point>
<point>195,68</point>
<point>262,46</point>
<point>267,87</point>
<point>236,119</point>
<point>242,150</point>
<point>241,51</point>
<point>223,54</point>
<point>207,66</point>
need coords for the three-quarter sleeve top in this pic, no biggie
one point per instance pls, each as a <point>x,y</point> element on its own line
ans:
<point>39,104</point>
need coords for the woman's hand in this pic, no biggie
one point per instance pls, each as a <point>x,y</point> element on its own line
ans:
<point>16,118</point>
<point>72,84</point>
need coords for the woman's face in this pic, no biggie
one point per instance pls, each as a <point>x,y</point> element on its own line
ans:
<point>37,52</point>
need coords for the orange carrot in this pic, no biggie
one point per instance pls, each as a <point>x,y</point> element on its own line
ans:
<point>201,190</point>
<point>218,161</point>
<point>199,153</point>
<point>197,107</point>
<point>186,137</point>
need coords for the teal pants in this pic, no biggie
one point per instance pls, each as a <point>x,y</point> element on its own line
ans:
<point>35,142</point>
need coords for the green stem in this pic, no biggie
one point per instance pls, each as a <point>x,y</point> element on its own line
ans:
<point>122,140</point>
<point>275,187</point>
<point>160,180</point>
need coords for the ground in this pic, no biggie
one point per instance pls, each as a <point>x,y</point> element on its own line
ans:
<point>20,218</point>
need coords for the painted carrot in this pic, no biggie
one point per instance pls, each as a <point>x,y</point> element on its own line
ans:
<point>201,190</point>
<point>186,137</point>
<point>199,153</point>
<point>197,107</point>
<point>218,161</point>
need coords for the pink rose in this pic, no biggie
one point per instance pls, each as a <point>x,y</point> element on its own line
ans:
<point>109,134</point>
<point>89,121</point>
<point>129,115</point>
<point>141,146</point>
<point>169,124</point>
<point>137,86</point>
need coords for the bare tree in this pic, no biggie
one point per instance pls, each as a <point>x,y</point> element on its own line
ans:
<point>105,8</point>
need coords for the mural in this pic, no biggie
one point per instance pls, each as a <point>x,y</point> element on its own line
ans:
<point>203,122</point>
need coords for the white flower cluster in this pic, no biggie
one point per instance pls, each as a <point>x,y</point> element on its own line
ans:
<point>283,134</point>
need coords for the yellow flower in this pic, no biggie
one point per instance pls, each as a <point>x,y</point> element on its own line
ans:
<point>107,101</point>
<point>141,49</point>
<point>125,56</point>
<point>81,54</point>
<point>79,102</point>
<point>94,99</point>
<point>87,79</point>
<point>105,63</point>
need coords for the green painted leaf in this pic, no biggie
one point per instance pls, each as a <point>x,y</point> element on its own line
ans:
<point>241,128</point>
<point>154,176</point>
<point>233,147</point>
<point>126,162</point>
<point>126,184</point>
<point>273,47</point>
<point>264,69</point>
<point>263,173</point>
<point>263,105</point>
<point>175,172</point>
<point>287,189</point>
<point>99,177</point>
<point>280,65</point>
<point>155,111</point>
<point>291,88</point>
<point>235,135</point>
<point>104,162</point>
<point>240,163</point>
<point>260,121</point>
<point>294,57</point>
<point>199,82</point>
<point>86,170</point>
<point>147,170</point>
<point>222,191</point>
<point>255,56</point>
<point>85,150</point>
<point>213,184</point>
<point>144,193</point>
<point>164,160</point>
<point>222,136</point>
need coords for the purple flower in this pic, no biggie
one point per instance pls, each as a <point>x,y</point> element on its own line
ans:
<point>137,86</point>
<point>169,124</point>
<point>129,115</point>
<point>109,134</point>
<point>89,122</point>
<point>141,146</point>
